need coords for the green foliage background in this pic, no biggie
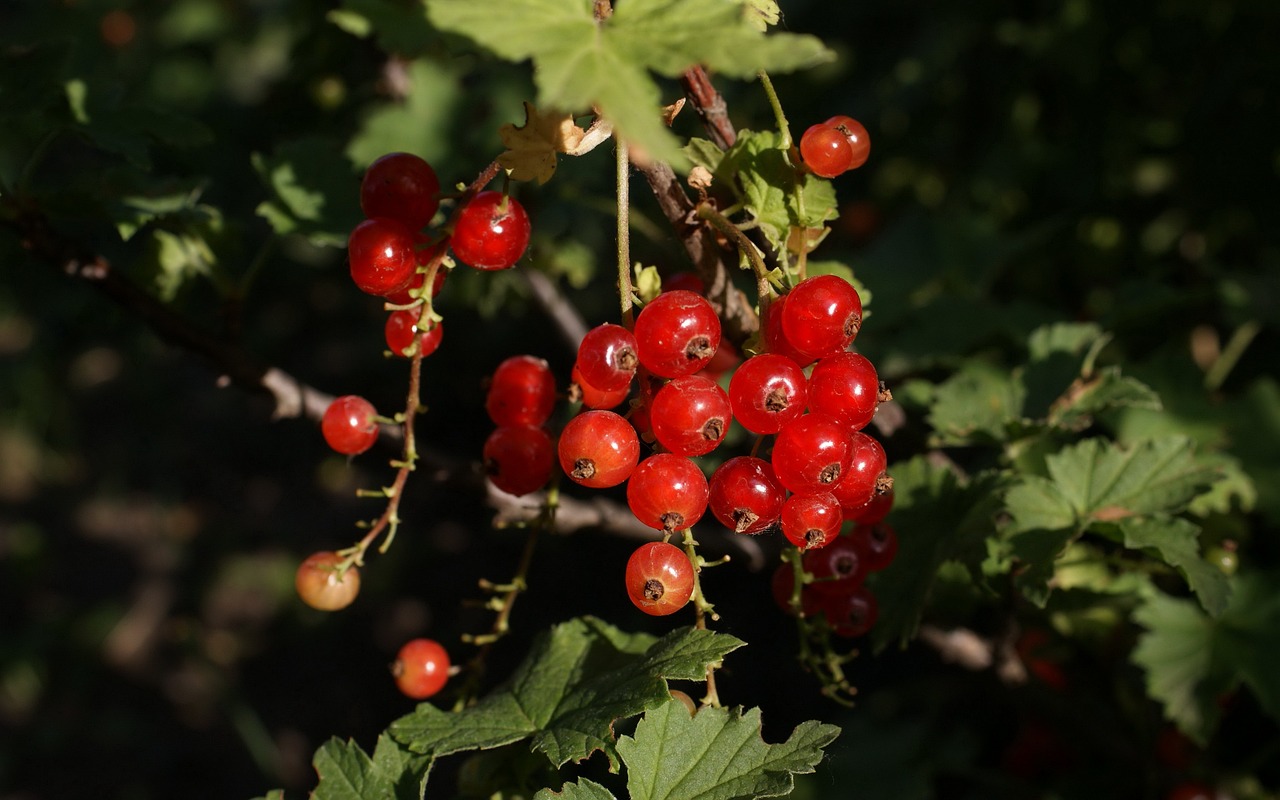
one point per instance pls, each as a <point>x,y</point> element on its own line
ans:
<point>1052,184</point>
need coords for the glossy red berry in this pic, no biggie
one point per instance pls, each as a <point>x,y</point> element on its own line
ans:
<point>522,391</point>
<point>745,495</point>
<point>667,492</point>
<point>519,458</point>
<point>859,140</point>
<point>826,151</point>
<point>851,615</point>
<point>811,521</point>
<point>598,449</point>
<point>878,543</point>
<point>866,474</point>
<point>811,454</point>
<point>322,585</point>
<point>421,668</point>
<point>690,416</point>
<point>766,392</point>
<point>677,333</point>
<point>592,397</point>
<point>349,425</point>
<point>607,357</point>
<point>401,186</point>
<point>838,568</point>
<point>492,232</point>
<point>401,332</point>
<point>822,315</point>
<point>659,578</point>
<point>380,254</point>
<point>845,386</point>
<point>775,339</point>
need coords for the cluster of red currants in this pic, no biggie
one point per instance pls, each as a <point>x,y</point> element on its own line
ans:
<point>834,147</point>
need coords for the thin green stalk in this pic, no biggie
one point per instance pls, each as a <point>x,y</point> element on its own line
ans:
<point>625,288</point>
<point>701,610</point>
<point>764,291</point>
<point>778,113</point>
<point>1230,356</point>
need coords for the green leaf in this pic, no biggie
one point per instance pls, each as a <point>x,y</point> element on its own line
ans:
<point>1105,391</point>
<point>400,28</point>
<point>583,789</point>
<point>940,517</point>
<point>1191,659</point>
<point>721,754</point>
<point>1062,337</point>
<point>579,62</point>
<point>181,256</point>
<point>761,13</point>
<point>703,153</point>
<point>313,191</point>
<point>348,773</point>
<point>1178,543</point>
<point>419,123</point>
<point>577,680</point>
<point>978,404</point>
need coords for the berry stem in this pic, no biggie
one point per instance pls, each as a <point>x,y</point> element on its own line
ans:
<point>778,113</point>
<point>764,290</point>
<point>701,610</point>
<point>625,289</point>
<point>816,652</point>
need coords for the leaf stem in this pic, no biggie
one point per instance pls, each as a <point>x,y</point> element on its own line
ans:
<point>625,289</point>
<point>778,114</point>
<point>764,290</point>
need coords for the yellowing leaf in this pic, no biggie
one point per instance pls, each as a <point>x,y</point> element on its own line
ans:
<point>532,147</point>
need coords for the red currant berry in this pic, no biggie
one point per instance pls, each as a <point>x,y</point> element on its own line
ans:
<point>521,392</point>
<point>321,585</point>
<point>859,140</point>
<point>767,392</point>
<point>380,252</point>
<point>491,232</point>
<point>518,458</point>
<point>851,614</point>
<point>659,578</point>
<point>348,425</point>
<point>845,387</point>
<point>401,186</point>
<point>811,454</point>
<point>667,492</point>
<point>775,339</point>
<point>686,281</point>
<point>810,521</point>
<point>421,668</point>
<point>690,415</point>
<point>598,449</point>
<point>591,397</point>
<point>875,509</point>
<point>838,568</point>
<point>878,543</point>
<point>402,328</point>
<point>825,150</point>
<point>677,333</point>
<point>822,315</point>
<point>745,495</point>
<point>607,357</point>
<point>866,475</point>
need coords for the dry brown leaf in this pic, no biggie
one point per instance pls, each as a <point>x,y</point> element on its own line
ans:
<point>532,147</point>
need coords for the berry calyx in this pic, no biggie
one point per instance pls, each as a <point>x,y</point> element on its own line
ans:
<point>350,425</point>
<point>321,583</point>
<point>826,150</point>
<point>381,256</point>
<point>744,494</point>
<point>659,578</point>
<point>866,476</point>
<point>677,334</point>
<point>598,449</point>
<point>522,391</point>
<point>491,232</point>
<point>421,668</point>
<point>690,415</point>
<point>401,186</point>
<point>667,492</point>
<point>518,458</point>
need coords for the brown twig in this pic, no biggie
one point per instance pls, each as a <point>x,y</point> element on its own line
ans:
<point>710,107</point>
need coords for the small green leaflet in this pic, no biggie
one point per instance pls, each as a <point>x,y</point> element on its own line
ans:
<point>721,755</point>
<point>400,28</point>
<point>1191,659</point>
<point>583,789</point>
<point>580,63</point>
<point>577,680</point>
<point>311,191</point>
<point>348,773</point>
